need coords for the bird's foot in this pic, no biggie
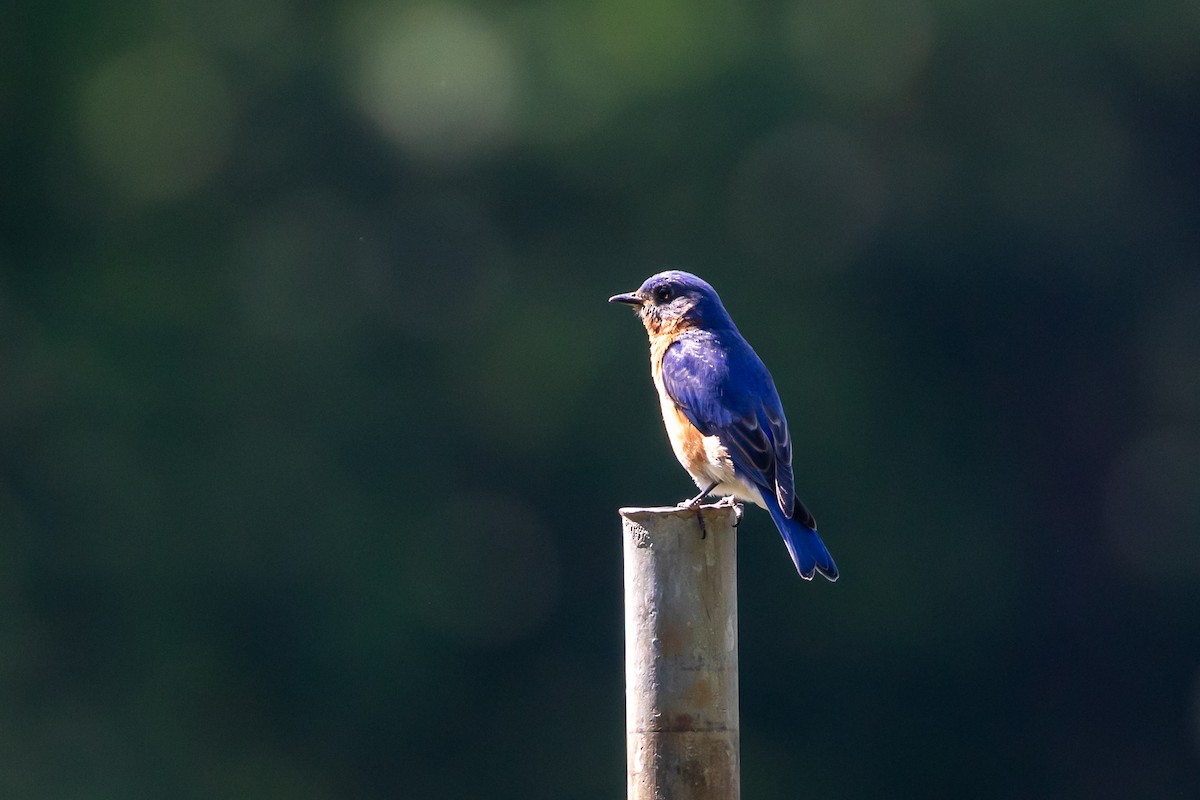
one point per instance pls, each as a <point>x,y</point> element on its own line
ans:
<point>695,501</point>
<point>738,509</point>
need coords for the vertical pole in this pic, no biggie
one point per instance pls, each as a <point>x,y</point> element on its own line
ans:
<point>681,656</point>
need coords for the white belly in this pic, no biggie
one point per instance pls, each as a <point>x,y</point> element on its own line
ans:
<point>719,468</point>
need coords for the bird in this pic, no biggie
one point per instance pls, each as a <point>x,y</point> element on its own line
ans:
<point>722,411</point>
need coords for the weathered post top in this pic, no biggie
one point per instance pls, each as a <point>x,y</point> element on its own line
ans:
<point>681,656</point>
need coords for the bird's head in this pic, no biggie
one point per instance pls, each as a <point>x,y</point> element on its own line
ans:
<point>674,300</point>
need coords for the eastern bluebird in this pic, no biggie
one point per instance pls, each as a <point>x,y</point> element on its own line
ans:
<point>721,410</point>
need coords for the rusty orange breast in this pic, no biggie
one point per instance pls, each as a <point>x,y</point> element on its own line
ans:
<point>686,439</point>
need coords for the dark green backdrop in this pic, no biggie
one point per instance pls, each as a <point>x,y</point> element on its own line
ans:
<point>314,421</point>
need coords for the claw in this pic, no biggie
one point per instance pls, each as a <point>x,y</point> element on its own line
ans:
<point>738,509</point>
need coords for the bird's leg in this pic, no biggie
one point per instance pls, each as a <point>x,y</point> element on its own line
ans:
<point>695,501</point>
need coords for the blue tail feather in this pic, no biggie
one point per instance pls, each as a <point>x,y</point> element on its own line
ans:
<point>808,552</point>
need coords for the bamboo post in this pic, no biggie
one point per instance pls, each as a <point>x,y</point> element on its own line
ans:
<point>681,657</point>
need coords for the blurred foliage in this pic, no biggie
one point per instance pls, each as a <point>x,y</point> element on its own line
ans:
<point>314,422</point>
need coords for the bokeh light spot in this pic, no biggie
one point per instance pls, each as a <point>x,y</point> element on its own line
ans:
<point>439,80</point>
<point>156,123</point>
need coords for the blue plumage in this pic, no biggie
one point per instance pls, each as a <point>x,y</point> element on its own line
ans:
<point>804,544</point>
<point>706,371</point>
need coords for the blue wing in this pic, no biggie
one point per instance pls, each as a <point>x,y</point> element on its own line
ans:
<point>723,388</point>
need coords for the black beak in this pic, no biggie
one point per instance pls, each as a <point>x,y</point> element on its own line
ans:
<point>629,298</point>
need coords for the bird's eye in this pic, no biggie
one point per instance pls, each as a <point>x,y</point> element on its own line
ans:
<point>663,294</point>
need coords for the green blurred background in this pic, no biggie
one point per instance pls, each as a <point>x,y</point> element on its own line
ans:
<point>314,421</point>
